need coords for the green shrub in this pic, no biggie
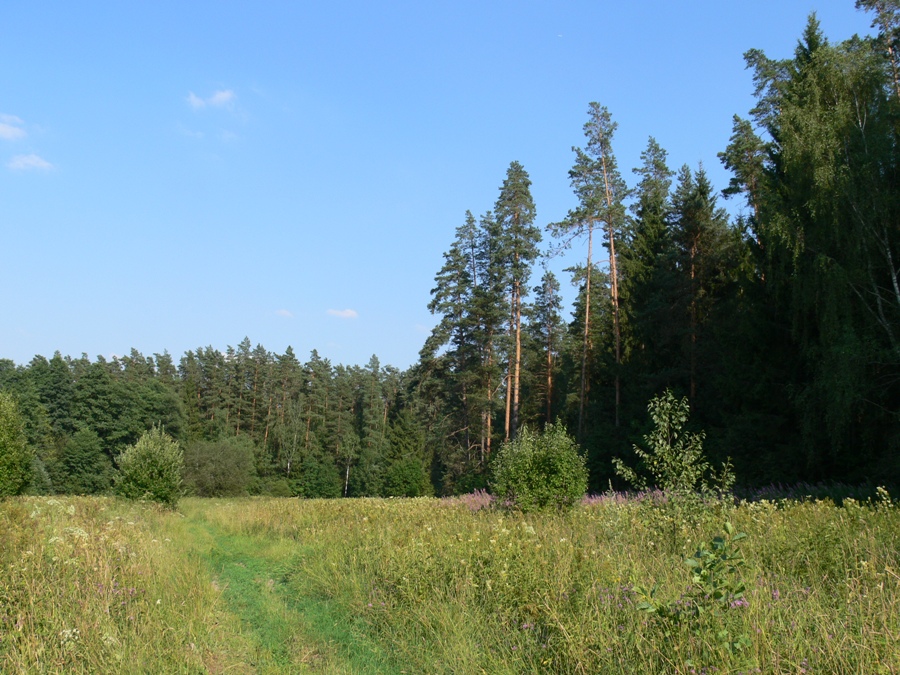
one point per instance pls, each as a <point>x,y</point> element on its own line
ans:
<point>83,467</point>
<point>151,468</point>
<point>674,458</point>
<point>222,468</point>
<point>15,455</point>
<point>540,470</point>
<point>319,479</point>
<point>273,486</point>
<point>407,477</point>
<point>40,483</point>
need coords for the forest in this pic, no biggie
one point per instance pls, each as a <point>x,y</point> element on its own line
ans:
<point>780,325</point>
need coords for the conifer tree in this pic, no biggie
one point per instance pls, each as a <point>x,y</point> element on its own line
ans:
<point>546,331</point>
<point>648,277</point>
<point>601,192</point>
<point>515,213</point>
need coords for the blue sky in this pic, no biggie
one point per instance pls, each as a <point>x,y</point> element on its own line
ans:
<point>176,175</point>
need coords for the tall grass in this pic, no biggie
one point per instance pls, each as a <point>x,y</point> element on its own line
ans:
<point>449,590</point>
<point>96,585</point>
<point>452,586</point>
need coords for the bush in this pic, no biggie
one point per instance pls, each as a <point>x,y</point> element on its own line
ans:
<point>15,455</point>
<point>674,458</point>
<point>273,487</point>
<point>40,483</point>
<point>151,468</point>
<point>407,477</point>
<point>319,479</point>
<point>539,471</point>
<point>222,468</point>
<point>83,468</point>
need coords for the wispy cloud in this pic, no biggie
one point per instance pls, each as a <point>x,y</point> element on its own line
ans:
<point>11,128</point>
<point>219,99</point>
<point>344,313</point>
<point>190,133</point>
<point>285,313</point>
<point>29,162</point>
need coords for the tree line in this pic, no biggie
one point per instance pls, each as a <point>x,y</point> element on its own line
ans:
<point>781,326</point>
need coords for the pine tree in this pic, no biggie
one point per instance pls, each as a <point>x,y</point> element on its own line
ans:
<point>515,213</point>
<point>601,192</point>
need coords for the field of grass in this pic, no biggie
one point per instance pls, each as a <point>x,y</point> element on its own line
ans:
<point>443,586</point>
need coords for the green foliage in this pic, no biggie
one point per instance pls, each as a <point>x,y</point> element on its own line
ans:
<point>319,478</point>
<point>222,468</point>
<point>540,470</point>
<point>675,458</point>
<point>272,486</point>
<point>406,477</point>
<point>15,455</point>
<point>82,467</point>
<point>716,592</point>
<point>406,473</point>
<point>151,468</point>
<point>40,483</point>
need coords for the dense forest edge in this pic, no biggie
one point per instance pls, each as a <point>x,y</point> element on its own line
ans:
<point>781,326</point>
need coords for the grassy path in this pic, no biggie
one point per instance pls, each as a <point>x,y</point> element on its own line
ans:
<point>289,634</point>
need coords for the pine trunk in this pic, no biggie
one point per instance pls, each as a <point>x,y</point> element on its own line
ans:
<point>614,272</point>
<point>587,333</point>
<point>518,362</point>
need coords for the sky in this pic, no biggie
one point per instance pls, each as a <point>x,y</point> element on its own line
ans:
<point>175,175</point>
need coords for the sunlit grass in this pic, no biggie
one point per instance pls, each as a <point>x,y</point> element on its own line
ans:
<point>97,585</point>
<point>434,586</point>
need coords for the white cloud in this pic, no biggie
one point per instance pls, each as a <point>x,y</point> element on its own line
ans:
<point>344,313</point>
<point>285,313</point>
<point>195,101</point>
<point>219,99</point>
<point>11,128</point>
<point>28,162</point>
<point>222,97</point>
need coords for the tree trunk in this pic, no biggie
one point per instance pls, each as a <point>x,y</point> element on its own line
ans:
<point>587,324</point>
<point>509,370</point>
<point>614,272</point>
<point>518,362</point>
<point>693,327</point>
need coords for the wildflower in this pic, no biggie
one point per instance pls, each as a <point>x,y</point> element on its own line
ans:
<point>69,635</point>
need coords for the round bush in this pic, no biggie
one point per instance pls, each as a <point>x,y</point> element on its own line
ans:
<point>222,468</point>
<point>540,470</point>
<point>151,468</point>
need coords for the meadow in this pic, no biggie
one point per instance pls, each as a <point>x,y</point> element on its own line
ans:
<point>615,585</point>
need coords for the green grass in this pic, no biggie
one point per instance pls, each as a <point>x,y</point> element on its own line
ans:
<point>429,586</point>
<point>289,632</point>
